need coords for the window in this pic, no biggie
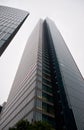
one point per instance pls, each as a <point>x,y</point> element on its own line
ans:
<point>48,119</point>
<point>39,94</point>
<point>39,78</point>
<point>46,70</point>
<point>39,104</point>
<point>47,108</point>
<point>39,84</point>
<point>46,66</point>
<point>46,59</point>
<point>1,42</point>
<point>46,88</point>
<point>47,63</point>
<point>47,97</point>
<point>48,74</point>
<point>38,116</point>
<point>9,30</point>
<point>6,36</point>
<point>46,81</point>
<point>46,77</point>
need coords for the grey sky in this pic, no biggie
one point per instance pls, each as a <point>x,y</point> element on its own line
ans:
<point>69,19</point>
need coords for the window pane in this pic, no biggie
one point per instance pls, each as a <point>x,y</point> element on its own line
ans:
<point>39,104</point>
<point>47,97</point>
<point>1,42</point>
<point>38,116</point>
<point>6,36</point>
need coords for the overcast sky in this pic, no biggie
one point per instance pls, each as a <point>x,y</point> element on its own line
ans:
<point>68,16</point>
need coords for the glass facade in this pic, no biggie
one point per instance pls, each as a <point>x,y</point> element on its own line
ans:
<point>68,79</point>
<point>10,21</point>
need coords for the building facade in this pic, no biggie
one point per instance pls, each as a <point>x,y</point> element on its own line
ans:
<point>11,20</point>
<point>0,109</point>
<point>48,85</point>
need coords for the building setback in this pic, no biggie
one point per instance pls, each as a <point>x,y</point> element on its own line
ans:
<point>11,20</point>
<point>48,85</point>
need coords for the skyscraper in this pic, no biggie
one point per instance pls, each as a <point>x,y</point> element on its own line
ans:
<point>11,20</point>
<point>48,85</point>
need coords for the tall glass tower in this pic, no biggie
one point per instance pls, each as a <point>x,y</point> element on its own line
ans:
<point>11,20</point>
<point>48,85</point>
